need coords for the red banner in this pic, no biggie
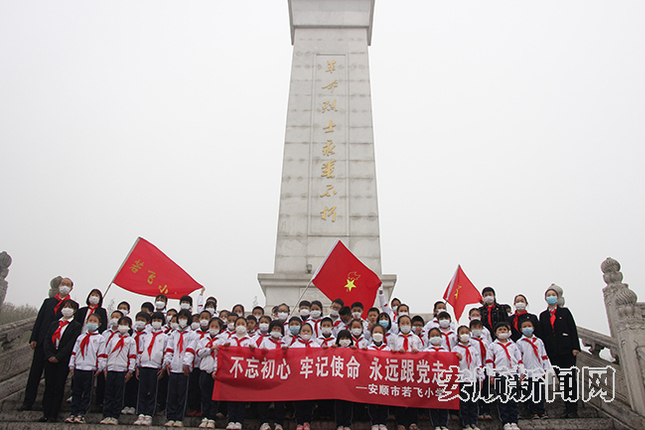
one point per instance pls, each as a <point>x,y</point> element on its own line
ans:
<point>421,380</point>
<point>149,272</point>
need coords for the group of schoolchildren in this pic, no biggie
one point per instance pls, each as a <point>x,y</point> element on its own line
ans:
<point>168,359</point>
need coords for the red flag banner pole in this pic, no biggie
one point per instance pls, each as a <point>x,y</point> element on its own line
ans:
<point>461,292</point>
<point>121,267</point>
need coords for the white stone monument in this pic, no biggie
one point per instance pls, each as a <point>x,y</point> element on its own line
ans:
<point>328,176</point>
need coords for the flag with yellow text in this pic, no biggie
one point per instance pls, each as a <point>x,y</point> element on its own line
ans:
<point>461,292</point>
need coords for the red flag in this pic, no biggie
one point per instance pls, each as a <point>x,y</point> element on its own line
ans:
<point>461,292</point>
<point>342,275</point>
<point>149,272</point>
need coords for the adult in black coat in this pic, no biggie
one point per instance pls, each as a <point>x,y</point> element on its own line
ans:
<point>59,341</point>
<point>492,312</point>
<point>94,302</point>
<point>521,315</point>
<point>48,313</point>
<point>560,337</point>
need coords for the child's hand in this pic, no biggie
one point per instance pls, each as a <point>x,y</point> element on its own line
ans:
<point>251,347</point>
<point>414,351</point>
<point>160,373</point>
<point>215,347</point>
<point>186,370</point>
<point>128,376</point>
<point>53,360</point>
<point>380,290</point>
<point>364,348</point>
<point>168,369</point>
<point>459,356</point>
<point>97,373</point>
<point>213,374</point>
<point>227,344</point>
<point>265,349</point>
<point>105,373</point>
<point>401,350</point>
<point>33,344</point>
<point>202,290</point>
<point>324,346</point>
<point>334,346</point>
<point>285,347</point>
<point>353,347</point>
<point>136,373</point>
<point>71,372</point>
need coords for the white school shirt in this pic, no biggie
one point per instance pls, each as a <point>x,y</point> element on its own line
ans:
<point>339,325</point>
<point>315,323</point>
<point>119,354</point>
<point>63,328</point>
<point>198,335</point>
<point>534,357</point>
<point>259,337</point>
<point>382,347</point>
<point>109,334</point>
<point>385,307</point>
<point>474,367</point>
<point>437,348</point>
<point>206,352</point>
<point>299,343</point>
<point>152,358</point>
<point>360,341</point>
<point>413,342</point>
<point>482,345</point>
<point>497,358</point>
<point>180,350</point>
<point>138,338</point>
<point>448,339</point>
<point>329,341</point>
<point>89,359</point>
<point>271,343</point>
<point>434,323</point>
<point>244,341</point>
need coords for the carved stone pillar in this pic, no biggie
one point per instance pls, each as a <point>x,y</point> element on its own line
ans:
<point>627,326</point>
<point>5,262</point>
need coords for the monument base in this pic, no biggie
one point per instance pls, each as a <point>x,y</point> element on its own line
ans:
<point>288,287</point>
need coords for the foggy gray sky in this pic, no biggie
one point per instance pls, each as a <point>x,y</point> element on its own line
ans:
<point>509,139</point>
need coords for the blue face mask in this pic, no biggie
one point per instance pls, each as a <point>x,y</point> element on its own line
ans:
<point>92,326</point>
<point>527,331</point>
<point>294,329</point>
<point>552,300</point>
<point>384,323</point>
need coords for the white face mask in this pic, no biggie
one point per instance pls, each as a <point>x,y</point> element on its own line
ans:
<point>174,326</point>
<point>203,323</point>
<point>183,323</point>
<point>316,313</point>
<point>125,312</point>
<point>503,336</point>
<point>444,323</point>
<point>114,322</point>
<point>304,313</point>
<point>282,316</point>
<point>357,315</point>
<point>305,337</point>
<point>402,314</point>
<point>520,306</point>
<point>475,318</point>
<point>194,326</point>
<point>344,343</point>
<point>67,312</point>
<point>213,331</point>
<point>211,310</point>
<point>239,314</point>
<point>378,337</point>
<point>156,325</point>
<point>264,327</point>
<point>276,334</point>
<point>240,330</point>
<point>435,340</point>
<point>230,326</point>
<point>123,329</point>
<point>94,300</point>
<point>405,329</point>
<point>477,332</point>
<point>326,330</point>
<point>465,338</point>
<point>160,304</point>
<point>489,300</point>
<point>357,332</point>
<point>139,325</point>
<point>395,308</point>
<point>64,290</point>
<point>184,305</point>
<point>333,312</point>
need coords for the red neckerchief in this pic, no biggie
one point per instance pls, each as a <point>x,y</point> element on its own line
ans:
<point>180,344</point>
<point>357,339</point>
<point>532,341</point>
<point>437,348</point>
<point>261,338</point>
<point>482,347</point>
<point>490,321</point>
<point>277,342</point>
<point>405,340</point>
<point>517,318</point>
<point>201,333</point>
<point>136,337</point>
<point>112,333</point>
<point>239,340</point>
<point>306,342</point>
<point>505,346</point>
<point>447,335</point>
<point>86,341</point>
<point>56,336</point>
<point>209,345</point>
<point>315,325</point>
<point>120,344</point>
<point>60,302</point>
<point>326,340</point>
<point>469,357</point>
<point>552,311</point>
<point>152,342</point>
<point>337,322</point>
<point>379,348</point>
<point>90,311</point>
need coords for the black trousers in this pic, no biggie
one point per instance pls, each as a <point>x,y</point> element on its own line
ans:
<point>131,392</point>
<point>100,389</point>
<point>113,401</point>
<point>194,391</point>
<point>147,399</point>
<point>177,395</point>
<point>566,361</point>
<point>378,414</point>
<point>55,377</point>
<point>407,416</point>
<point>484,407</point>
<point>439,417</point>
<point>278,412</point>
<point>162,392</point>
<point>344,413</point>
<point>236,412</point>
<point>468,410</point>
<point>208,405</point>
<point>304,411</point>
<point>82,384</point>
<point>35,374</point>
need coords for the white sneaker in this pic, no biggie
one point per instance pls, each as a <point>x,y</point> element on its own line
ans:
<point>382,427</point>
<point>474,427</point>
<point>230,426</point>
<point>114,422</point>
<point>105,420</point>
<point>515,427</point>
<point>147,421</point>
<point>265,426</point>
<point>211,424</point>
<point>203,424</point>
<point>508,426</point>
<point>139,420</point>
<point>125,410</point>
<point>178,424</point>
<point>375,427</point>
<point>238,426</point>
<point>170,423</point>
<point>278,427</point>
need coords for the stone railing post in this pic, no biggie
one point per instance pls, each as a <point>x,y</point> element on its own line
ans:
<point>627,326</point>
<point>5,262</point>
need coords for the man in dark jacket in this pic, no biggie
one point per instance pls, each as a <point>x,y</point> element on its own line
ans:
<point>48,313</point>
<point>492,312</point>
